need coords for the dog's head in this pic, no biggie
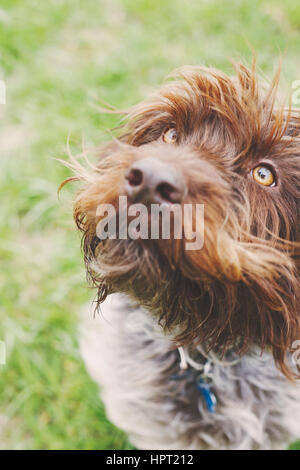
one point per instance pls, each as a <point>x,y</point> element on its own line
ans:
<point>206,138</point>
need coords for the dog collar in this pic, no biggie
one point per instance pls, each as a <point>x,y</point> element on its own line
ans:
<point>202,377</point>
<point>202,372</point>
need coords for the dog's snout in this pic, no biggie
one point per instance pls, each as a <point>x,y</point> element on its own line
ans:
<point>152,181</point>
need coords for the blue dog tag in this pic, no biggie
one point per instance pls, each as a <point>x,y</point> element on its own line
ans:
<point>209,397</point>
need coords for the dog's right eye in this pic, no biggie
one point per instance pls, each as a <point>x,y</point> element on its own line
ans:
<point>264,175</point>
<point>170,136</point>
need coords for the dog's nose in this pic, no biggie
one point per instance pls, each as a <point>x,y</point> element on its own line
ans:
<point>152,181</point>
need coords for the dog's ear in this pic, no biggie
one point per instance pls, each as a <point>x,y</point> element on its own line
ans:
<point>102,184</point>
<point>269,314</point>
<point>260,312</point>
<point>255,301</point>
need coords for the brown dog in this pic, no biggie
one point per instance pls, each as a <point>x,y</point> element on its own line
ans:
<point>204,138</point>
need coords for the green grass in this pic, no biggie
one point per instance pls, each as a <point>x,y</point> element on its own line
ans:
<point>56,58</point>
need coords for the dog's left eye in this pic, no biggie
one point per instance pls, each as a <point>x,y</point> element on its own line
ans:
<point>170,136</point>
<point>264,175</point>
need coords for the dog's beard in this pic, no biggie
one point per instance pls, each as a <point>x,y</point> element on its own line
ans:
<point>217,313</point>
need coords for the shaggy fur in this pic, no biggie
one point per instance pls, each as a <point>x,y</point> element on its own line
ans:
<point>125,352</point>
<point>238,295</point>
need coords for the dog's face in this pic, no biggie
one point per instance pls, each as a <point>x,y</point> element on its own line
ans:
<point>218,141</point>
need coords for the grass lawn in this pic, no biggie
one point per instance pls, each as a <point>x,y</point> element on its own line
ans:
<point>57,57</point>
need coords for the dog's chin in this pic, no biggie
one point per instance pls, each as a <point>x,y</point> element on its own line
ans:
<point>130,266</point>
<point>143,268</point>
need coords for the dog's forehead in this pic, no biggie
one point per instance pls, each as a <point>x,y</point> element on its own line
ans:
<point>234,118</point>
<point>200,103</point>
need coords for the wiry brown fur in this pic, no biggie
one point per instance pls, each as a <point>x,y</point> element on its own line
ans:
<point>243,287</point>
